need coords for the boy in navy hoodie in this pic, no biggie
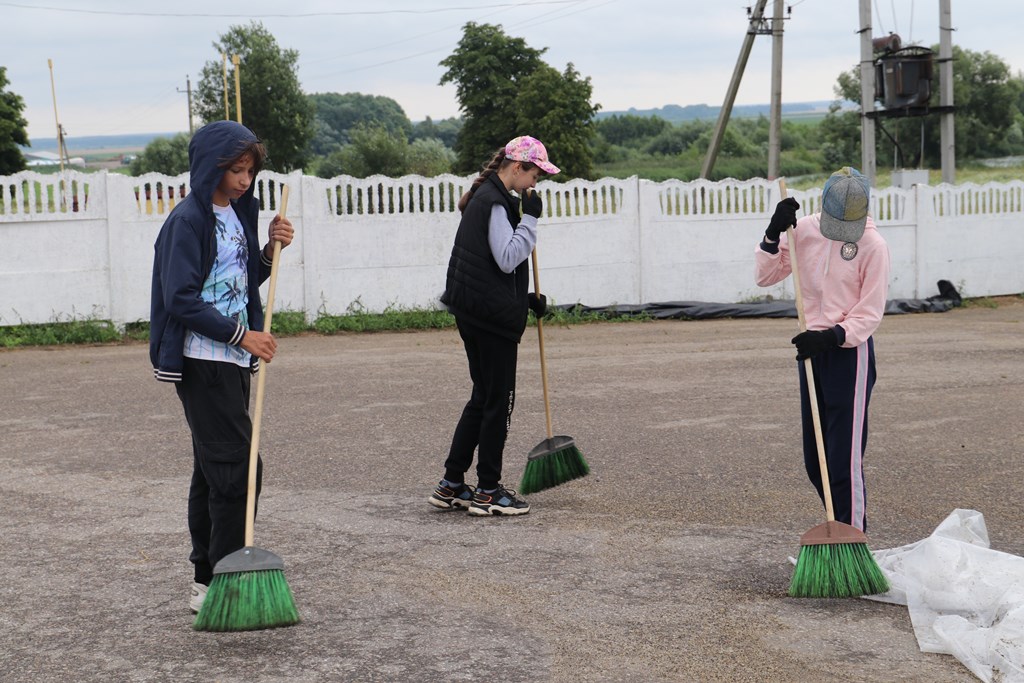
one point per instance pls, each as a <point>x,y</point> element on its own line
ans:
<point>205,330</point>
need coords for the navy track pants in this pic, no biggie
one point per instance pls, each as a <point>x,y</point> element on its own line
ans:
<point>843,382</point>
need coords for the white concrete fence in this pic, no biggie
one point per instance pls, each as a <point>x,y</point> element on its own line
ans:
<point>81,246</point>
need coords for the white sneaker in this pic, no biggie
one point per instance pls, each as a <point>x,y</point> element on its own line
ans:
<point>195,600</point>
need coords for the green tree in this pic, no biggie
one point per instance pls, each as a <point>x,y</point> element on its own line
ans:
<point>328,166</point>
<point>373,150</point>
<point>340,113</point>
<point>987,119</point>
<point>487,68</point>
<point>734,143</point>
<point>13,128</point>
<point>987,97</point>
<point>678,139</point>
<point>163,155</point>
<point>429,157</point>
<point>555,108</point>
<point>840,135</point>
<point>505,89</point>
<point>630,129</point>
<point>273,104</point>
<point>325,140</point>
<point>445,130</point>
<point>669,142</point>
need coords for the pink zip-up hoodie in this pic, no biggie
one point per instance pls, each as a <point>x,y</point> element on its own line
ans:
<point>836,291</point>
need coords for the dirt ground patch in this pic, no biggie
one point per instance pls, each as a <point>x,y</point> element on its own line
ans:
<point>668,563</point>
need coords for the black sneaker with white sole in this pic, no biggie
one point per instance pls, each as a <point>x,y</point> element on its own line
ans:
<point>500,502</point>
<point>448,498</point>
<point>196,597</point>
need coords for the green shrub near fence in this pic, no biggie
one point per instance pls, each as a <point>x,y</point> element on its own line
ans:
<point>285,324</point>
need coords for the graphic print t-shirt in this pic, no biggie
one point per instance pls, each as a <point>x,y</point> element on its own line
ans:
<point>227,288</point>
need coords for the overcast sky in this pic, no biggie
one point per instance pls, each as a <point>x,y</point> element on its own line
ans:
<point>119,66</point>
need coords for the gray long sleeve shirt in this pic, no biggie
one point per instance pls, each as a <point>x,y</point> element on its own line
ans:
<point>510,246</point>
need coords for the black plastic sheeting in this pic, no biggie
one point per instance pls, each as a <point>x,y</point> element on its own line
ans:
<point>946,299</point>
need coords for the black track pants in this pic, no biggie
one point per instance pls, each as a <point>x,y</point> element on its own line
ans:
<point>215,396</point>
<point>486,418</point>
<point>843,381</point>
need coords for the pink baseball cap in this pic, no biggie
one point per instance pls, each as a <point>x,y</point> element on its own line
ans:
<point>525,148</point>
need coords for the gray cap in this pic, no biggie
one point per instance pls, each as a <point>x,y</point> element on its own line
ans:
<point>844,205</point>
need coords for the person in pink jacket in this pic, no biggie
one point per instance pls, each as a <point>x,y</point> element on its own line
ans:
<point>844,274</point>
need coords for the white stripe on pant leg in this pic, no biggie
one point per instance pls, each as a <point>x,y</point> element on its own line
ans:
<point>508,413</point>
<point>860,393</point>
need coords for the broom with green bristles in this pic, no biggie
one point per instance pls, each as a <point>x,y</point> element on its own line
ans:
<point>834,560</point>
<point>556,459</point>
<point>248,591</point>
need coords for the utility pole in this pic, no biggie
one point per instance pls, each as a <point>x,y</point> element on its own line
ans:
<point>224,59</point>
<point>755,27</point>
<point>947,138</point>
<point>61,150</point>
<point>62,143</point>
<point>188,89</point>
<point>867,94</point>
<point>775,111</point>
<point>238,89</point>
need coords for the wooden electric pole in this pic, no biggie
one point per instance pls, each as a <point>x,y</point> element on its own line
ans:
<point>775,110</point>
<point>755,27</point>
<point>238,89</point>
<point>188,89</point>
<point>946,129</point>
<point>224,60</point>
<point>61,149</point>
<point>867,94</point>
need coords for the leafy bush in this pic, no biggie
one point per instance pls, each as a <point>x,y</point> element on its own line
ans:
<point>163,155</point>
<point>429,157</point>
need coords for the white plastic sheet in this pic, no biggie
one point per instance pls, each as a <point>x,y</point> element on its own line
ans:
<point>965,599</point>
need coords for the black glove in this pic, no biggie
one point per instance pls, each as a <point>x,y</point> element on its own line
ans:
<point>532,203</point>
<point>812,342</point>
<point>538,304</point>
<point>784,216</point>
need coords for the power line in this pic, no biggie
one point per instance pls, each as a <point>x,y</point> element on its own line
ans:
<point>878,13</point>
<point>158,102</point>
<point>565,8</point>
<point>291,15</point>
<point>531,20</point>
<point>910,30</point>
<point>334,58</point>
<point>568,11</point>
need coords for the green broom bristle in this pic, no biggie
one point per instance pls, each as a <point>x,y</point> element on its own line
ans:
<point>247,601</point>
<point>553,469</point>
<point>839,570</point>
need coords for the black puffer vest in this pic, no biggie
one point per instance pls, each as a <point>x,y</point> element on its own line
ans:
<point>477,291</point>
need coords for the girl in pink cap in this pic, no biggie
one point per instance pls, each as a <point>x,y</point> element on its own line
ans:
<point>487,290</point>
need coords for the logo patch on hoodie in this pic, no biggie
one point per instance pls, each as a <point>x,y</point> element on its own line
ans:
<point>848,251</point>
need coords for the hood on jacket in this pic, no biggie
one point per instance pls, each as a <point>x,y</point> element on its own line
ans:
<point>214,144</point>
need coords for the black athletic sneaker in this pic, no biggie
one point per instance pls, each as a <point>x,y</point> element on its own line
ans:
<point>448,498</point>
<point>500,502</point>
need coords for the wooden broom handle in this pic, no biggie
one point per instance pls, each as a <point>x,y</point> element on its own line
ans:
<point>809,370</point>
<point>540,339</point>
<point>261,381</point>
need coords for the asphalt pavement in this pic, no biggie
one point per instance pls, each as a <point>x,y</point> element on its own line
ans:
<point>667,563</point>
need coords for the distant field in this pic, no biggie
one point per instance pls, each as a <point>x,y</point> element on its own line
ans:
<point>660,169</point>
<point>808,118</point>
<point>107,152</point>
<point>79,146</point>
<point>99,151</point>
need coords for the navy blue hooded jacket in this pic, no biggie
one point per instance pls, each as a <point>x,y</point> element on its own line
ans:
<point>185,252</point>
